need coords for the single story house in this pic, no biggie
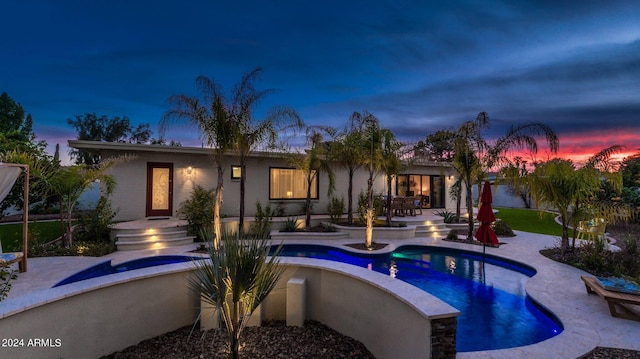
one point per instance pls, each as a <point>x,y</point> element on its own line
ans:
<point>158,178</point>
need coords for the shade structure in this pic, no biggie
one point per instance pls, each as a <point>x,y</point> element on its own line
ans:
<point>485,233</point>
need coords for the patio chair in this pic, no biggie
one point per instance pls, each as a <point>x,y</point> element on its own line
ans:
<point>410,205</point>
<point>417,205</point>
<point>397,206</point>
<point>593,229</point>
<point>12,257</point>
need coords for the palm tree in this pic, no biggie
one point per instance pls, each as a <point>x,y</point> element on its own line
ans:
<point>312,162</point>
<point>375,140</point>
<point>348,150</point>
<point>559,184</point>
<point>391,164</point>
<point>237,279</point>
<point>252,133</point>
<point>216,121</point>
<point>480,156</point>
<point>68,183</point>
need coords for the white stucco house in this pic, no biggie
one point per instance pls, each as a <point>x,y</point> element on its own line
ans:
<point>159,178</point>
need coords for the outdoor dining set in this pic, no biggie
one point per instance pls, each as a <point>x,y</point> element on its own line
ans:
<point>407,206</point>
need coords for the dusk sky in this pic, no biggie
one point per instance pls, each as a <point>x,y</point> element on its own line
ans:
<point>419,66</point>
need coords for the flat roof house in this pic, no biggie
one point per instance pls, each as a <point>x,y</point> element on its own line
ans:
<point>159,178</point>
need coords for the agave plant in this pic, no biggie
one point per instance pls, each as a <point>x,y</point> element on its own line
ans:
<point>239,277</point>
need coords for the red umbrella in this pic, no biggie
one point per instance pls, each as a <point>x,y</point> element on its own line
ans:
<point>485,233</point>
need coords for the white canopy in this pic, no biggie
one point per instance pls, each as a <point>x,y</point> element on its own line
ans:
<point>9,173</point>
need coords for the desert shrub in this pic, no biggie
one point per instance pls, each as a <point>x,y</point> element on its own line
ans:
<point>329,227</point>
<point>630,244</point>
<point>263,218</point>
<point>452,235</point>
<point>448,217</point>
<point>198,210</point>
<point>335,209</point>
<point>291,224</point>
<point>501,228</point>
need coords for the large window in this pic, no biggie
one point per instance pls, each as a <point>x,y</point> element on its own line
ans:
<point>429,188</point>
<point>289,183</point>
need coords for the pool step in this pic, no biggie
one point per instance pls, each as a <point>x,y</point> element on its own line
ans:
<point>150,234</point>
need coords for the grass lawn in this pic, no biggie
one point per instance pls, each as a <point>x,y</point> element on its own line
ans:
<point>529,220</point>
<point>11,234</point>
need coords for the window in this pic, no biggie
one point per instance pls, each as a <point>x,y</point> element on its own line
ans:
<point>289,183</point>
<point>236,171</point>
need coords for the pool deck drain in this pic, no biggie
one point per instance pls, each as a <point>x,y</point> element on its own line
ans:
<point>586,319</point>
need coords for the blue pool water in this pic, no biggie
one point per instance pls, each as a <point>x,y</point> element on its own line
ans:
<point>495,311</point>
<point>106,268</point>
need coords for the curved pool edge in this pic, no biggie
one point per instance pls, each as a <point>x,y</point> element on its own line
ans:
<point>555,287</point>
<point>37,314</point>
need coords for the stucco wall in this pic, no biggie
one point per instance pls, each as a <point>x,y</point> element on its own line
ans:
<point>92,318</point>
<point>130,193</point>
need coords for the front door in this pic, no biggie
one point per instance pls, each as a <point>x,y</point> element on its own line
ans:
<point>159,189</point>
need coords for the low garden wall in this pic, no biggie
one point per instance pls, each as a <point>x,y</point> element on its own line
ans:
<point>97,317</point>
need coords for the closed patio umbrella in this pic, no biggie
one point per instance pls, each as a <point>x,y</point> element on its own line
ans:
<point>485,233</point>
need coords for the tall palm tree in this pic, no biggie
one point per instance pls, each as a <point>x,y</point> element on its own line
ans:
<point>375,139</point>
<point>253,133</point>
<point>312,162</point>
<point>215,119</point>
<point>391,164</point>
<point>348,150</point>
<point>480,155</point>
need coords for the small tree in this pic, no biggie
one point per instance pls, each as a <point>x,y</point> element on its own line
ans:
<point>313,162</point>
<point>198,209</point>
<point>335,209</point>
<point>239,277</point>
<point>349,150</point>
<point>70,182</point>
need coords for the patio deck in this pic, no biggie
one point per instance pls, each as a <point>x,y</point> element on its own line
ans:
<point>586,318</point>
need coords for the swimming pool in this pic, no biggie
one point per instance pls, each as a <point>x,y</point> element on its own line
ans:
<point>106,268</point>
<point>495,311</point>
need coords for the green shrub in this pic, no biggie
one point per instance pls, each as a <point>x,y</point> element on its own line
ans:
<point>86,249</point>
<point>94,225</point>
<point>452,235</point>
<point>501,228</point>
<point>329,228</point>
<point>448,217</point>
<point>6,276</point>
<point>363,203</point>
<point>262,225</point>
<point>335,209</point>
<point>198,210</point>
<point>630,244</point>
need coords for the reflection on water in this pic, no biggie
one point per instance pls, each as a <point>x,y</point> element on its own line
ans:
<point>393,269</point>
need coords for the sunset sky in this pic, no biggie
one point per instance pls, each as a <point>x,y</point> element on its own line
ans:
<point>419,66</point>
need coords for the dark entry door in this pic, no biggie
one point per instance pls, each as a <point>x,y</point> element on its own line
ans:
<point>159,189</point>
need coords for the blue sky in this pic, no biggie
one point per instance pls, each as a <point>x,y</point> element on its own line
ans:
<point>419,66</point>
